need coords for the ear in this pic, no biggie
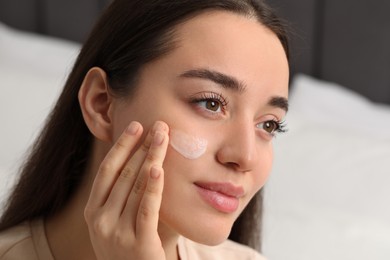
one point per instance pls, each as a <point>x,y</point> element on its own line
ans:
<point>95,102</point>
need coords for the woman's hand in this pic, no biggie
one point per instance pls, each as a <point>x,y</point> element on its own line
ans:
<point>122,212</point>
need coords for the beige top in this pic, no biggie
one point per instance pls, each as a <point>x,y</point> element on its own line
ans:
<point>28,241</point>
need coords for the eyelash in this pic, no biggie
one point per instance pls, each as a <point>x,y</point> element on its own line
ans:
<point>222,101</point>
<point>213,97</point>
<point>280,127</point>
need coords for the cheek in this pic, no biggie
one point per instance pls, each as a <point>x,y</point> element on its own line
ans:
<point>264,168</point>
<point>190,147</point>
<point>260,174</point>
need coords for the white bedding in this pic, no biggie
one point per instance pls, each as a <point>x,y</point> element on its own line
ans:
<point>328,194</point>
<point>32,71</point>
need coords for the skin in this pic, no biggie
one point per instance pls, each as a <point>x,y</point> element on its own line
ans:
<point>139,193</point>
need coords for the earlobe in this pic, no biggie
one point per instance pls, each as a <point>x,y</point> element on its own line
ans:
<point>95,102</point>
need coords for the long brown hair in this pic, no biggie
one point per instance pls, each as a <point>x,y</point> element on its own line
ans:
<point>128,35</point>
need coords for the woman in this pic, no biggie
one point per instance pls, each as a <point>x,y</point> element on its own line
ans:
<point>161,140</point>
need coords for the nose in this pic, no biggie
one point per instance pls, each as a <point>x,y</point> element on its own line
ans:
<point>239,148</point>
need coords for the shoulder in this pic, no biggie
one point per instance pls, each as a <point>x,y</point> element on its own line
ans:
<point>225,251</point>
<point>16,242</point>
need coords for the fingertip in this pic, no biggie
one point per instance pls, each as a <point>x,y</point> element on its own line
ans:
<point>155,172</point>
<point>161,125</point>
<point>133,128</point>
<point>158,138</point>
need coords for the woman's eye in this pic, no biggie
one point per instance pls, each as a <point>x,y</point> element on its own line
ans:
<point>269,126</point>
<point>212,105</point>
<point>211,102</point>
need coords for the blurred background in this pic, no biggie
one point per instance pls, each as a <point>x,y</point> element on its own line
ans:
<point>329,193</point>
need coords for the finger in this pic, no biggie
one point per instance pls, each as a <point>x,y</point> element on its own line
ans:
<point>112,165</point>
<point>125,181</point>
<point>148,213</point>
<point>155,156</point>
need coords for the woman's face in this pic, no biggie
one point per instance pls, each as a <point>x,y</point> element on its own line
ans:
<point>219,91</point>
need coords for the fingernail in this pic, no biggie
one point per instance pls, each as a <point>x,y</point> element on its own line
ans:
<point>158,126</point>
<point>155,173</point>
<point>158,138</point>
<point>132,128</point>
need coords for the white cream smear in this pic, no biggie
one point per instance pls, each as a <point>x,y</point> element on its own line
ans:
<point>191,147</point>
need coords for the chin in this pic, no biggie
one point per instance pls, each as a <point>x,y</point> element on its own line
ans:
<point>196,220</point>
<point>211,232</point>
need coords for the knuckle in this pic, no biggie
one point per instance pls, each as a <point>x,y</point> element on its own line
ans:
<point>101,227</point>
<point>145,211</point>
<point>150,156</point>
<point>89,214</point>
<point>127,172</point>
<point>139,187</point>
<point>152,190</point>
<point>120,238</point>
<point>145,147</point>
<point>106,167</point>
<point>120,145</point>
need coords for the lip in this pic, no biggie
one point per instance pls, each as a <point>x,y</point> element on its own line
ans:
<point>224,197</point>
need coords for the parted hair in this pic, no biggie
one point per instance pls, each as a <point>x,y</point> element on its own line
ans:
<point>128,35</point>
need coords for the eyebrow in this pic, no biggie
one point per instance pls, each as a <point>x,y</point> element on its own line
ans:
<point>279,102</point>
<point>219,78</point>
<point>230,82</point>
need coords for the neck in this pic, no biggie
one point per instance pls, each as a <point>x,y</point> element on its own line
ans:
<point>169,240</point>
<point>67,232</point>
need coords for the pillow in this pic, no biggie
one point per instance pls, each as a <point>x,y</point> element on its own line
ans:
<point>330,104</point>
<point>33,69</point>
<point>329,189</point>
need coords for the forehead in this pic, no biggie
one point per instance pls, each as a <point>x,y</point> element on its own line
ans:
<point>227,43</point>
<point>235,45</point>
